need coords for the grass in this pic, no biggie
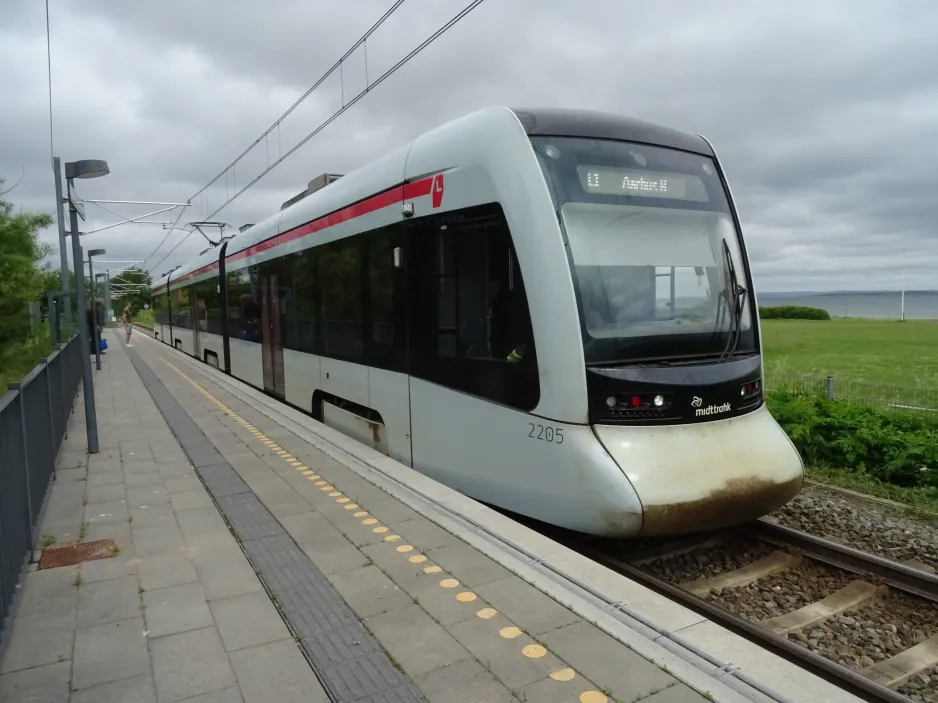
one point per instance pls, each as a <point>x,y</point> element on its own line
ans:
<point>874,351</point>
<point>18,359</point>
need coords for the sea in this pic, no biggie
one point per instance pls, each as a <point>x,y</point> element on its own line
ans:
<point>882,305</point>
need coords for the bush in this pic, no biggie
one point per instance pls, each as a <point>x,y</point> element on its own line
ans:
<point>793,312</point>
<point>896,447</point>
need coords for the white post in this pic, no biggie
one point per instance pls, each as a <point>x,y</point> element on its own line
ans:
<point>902,314</point>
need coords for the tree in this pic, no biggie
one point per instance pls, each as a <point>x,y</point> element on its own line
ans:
<point>130,286</point>
<point>20,275</point>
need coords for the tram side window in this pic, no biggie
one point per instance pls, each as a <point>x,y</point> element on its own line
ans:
<point>243,306</point>
<point>340,277</point>
<point>181,308</point>
<point>306,303</point>
<point>470,317</point>
<point>207,306</point>
<point>385,341</point>
<point>160,309</point>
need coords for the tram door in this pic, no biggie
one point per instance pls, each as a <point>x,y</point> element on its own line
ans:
<point>271,341</point>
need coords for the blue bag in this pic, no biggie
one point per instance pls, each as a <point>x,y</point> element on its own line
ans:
<point>103,344</point>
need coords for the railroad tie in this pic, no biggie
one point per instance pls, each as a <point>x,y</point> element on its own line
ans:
<point>766,566</point>
<point>854,595</point>
<point>898,669</point>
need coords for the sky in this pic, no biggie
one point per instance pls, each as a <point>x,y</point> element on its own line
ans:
<point>824,114</point>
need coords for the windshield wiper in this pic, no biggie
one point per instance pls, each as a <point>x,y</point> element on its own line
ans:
<point>737,298</point>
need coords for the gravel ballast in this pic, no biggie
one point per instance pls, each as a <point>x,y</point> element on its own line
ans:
<point>864,524</point>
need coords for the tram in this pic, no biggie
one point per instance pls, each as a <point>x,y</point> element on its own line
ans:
<point>551,311</point>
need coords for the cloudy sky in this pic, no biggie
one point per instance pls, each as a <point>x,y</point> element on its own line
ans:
<point>825,114</point>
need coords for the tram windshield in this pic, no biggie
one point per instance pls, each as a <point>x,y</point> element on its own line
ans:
<point>656,257</point>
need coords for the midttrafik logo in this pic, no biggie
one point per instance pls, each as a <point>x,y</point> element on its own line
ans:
<point>697,402</point>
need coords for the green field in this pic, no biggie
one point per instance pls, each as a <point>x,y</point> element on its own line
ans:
<point>872,351</point>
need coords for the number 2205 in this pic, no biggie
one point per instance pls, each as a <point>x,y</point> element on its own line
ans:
<point>546,433</point>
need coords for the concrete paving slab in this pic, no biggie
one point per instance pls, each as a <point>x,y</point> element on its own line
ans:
<point>162,570</point>
<point>503,655</point>
<point>41,684</point>
<point>597,656</point>
<point>190,500</point>
<point>248,620</point>
<point>42,638</point>
<point>465,682</point>
<point>415,641</point>
<point>109,652</point>
<point>51,589</point>
<point>106,493</point>
<point>107,601</point>
<point>369,591</point>
<point>530,609</point>
<point>138,689</point>
<point>164,539</point>
<point>276,672</point>
<point>190,664</point>
<point>176,609</point>
<point>227,577</point>
<point>468,565</point>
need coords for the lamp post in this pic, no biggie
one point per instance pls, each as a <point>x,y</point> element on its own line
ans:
<point>89,168</point>
<point>96,335</point>
<point>63,252</point>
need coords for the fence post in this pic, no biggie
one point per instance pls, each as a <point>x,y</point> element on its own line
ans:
<point>45,369</point>
<point>62,356</point>
<point>18,387</point>
<point>830,387</point>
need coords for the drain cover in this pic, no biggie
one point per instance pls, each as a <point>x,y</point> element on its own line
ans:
<point>77,552</point>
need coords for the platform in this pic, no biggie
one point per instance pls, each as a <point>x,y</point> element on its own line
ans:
<point>265,557</point>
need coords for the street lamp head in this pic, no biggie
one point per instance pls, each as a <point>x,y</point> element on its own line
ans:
<point>96,252</point>
<point>88,168</point>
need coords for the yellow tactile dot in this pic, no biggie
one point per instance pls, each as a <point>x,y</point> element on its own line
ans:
<point>427,570</point>
<point>563,674</point>
<point>351,506</point>
<point>287,457</point>
<point>593,697</point>
<point>313,478</point>
<point>360,513</point>
<point>392,538</point>
<point>449,583</point>
<point>335,494</point>
<point>282,453</point>
<point>298,464</point>
<point>306,472</point>
<point>534,651</point>
<point>369,521</point>
<point>487,613</point>
<point>327,488</point>
<point>341,500</point>
<point>320,483</point>
<point>380,530</point>
<point>404,548</point>
<point>466,596</point>
<point>509,633</point>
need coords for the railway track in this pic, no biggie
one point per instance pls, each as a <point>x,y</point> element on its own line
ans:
<point>862,583</point>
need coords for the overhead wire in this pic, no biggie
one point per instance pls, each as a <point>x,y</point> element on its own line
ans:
<point>361,40</point>
<point>429,40</point>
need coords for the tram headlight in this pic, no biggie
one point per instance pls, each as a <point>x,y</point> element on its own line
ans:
<point>612,401</point>
<point>659,401</point>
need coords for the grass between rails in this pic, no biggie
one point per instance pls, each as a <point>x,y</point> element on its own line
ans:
<point>874,351</point>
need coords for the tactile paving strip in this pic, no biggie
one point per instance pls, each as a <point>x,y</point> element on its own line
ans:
<point>348,660</point>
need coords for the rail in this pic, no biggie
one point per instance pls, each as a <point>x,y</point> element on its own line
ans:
<point>34,415</point>
<point>891,573</point>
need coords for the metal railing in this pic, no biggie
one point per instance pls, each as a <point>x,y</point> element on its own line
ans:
<point>34,415</point>
<point>884,396</point>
